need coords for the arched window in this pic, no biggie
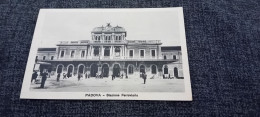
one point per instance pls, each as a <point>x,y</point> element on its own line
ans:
<point>142,69</point>
<point>165,69</point>
<point>72,54</point>
<point>154,71</point>
<point>130,69</point>
<point>59,68</point>
<point>62,54</point>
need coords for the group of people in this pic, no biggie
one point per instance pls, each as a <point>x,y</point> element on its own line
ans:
<point>43,74</point>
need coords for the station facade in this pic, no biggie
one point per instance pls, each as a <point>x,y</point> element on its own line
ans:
<point>108,52</point>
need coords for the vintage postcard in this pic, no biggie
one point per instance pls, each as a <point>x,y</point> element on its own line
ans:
<point>108,54</point>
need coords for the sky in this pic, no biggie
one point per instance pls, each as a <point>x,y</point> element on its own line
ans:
<point>73,25</point>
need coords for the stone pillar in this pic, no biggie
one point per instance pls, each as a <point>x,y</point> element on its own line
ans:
<point>159,52</point>
<point>110,49</point>
<point>112,54</point>
<point>121,52</point>
<point>92,51</point>
<point>125,52</point>
<point>101,52</point>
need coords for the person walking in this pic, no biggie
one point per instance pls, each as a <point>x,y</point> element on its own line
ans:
<point>79,75</point>
<point>34,76</point>
<point>64,76</point>
<point>44,77</point>
<point>113,76</point>
<point>58,77</point>
<point>144,77</point>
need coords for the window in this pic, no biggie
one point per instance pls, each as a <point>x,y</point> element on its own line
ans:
<point>153,53</point>
<point>117,51</point>
<point>96,51</point>
<point>131,53</point>
<point>52,57</point>
<point>62,54</point>
<point>154,69</point>
<point>165,57</point>
<point>72,54</point>
<point>165,69</point>
<point>174,57</point>
<point>43,57</point>
<point>107,51</point>
<point>142,53</point>
<point>82,54</point>
<point>130,69</point>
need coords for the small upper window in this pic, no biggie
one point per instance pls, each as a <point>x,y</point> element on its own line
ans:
<point>82,54</point>
<point>62,54</point>
<point>43,57</point>
<point>72,54</point>
<point>52,57</point>
<point>174,57</point>
<point>131,53</point>
<point>153,53</point>
<point>142,53</point>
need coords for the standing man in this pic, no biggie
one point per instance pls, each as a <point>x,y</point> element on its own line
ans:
<point>144,77</point>
<point>34,76</point>
<point>44,77</point>
<point>58,77</point>
<point>79,75</point>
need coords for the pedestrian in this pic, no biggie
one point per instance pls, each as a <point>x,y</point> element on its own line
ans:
<point>64,76</point>
<point>113,76</point>
<point>58,77</point>
<point>34,76</point>
<point>86,75</point>
<point>122,75</point>
<point>79,76</point>
<point>144,77</point>
<point>44,77</point>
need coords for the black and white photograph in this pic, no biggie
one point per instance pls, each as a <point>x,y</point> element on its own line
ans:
<point>108,54</point>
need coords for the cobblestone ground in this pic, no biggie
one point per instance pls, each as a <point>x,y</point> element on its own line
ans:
<point>109,85</point>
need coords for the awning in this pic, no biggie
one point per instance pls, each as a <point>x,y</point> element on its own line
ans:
<point>43,63</point>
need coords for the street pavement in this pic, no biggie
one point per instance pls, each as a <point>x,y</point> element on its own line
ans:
<point>109,85</point>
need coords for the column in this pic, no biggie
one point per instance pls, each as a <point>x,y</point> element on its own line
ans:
<point>92,51</point>
<point>112,54</point>
<point>121,52</point>
<point>125,52</point>
<point>110,49</point>
<point>101,52</point>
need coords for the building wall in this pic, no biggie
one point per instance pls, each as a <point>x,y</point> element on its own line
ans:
<point>47,54</point>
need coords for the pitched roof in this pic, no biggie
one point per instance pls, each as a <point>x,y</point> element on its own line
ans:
<point>46,49</point>
<point>163,48</point>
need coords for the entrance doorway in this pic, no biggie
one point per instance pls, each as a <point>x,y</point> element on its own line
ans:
<point>105,70</point>
<point>81,69</point>
<point>154,69</point>
<point>94,70</point>
<point>165,69</point>
<point>116,70</point>
<point>70,71</point>
<point>142,69</point>
<point>59,69</point>
<point>176,72</point>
